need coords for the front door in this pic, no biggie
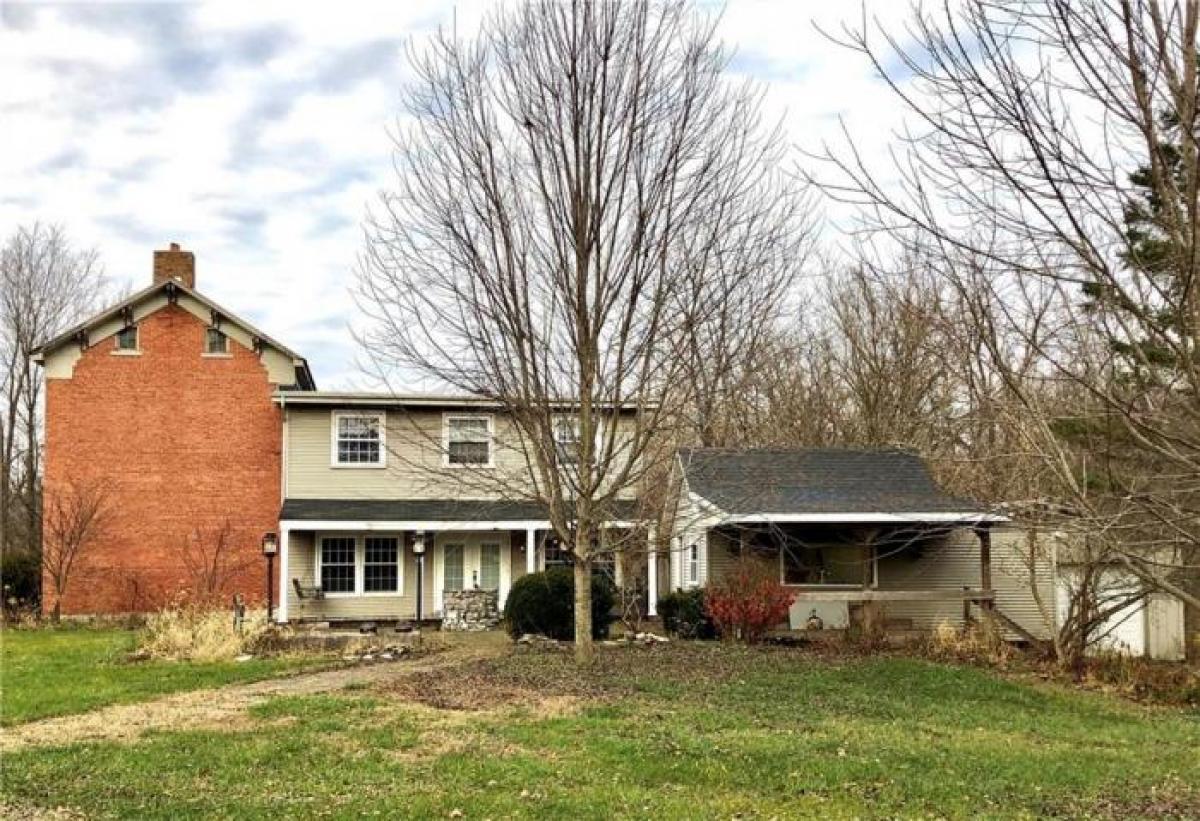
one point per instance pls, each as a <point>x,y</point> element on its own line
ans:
<point>471,561</point>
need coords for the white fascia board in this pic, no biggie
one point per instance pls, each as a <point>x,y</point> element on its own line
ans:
<point>386,526</point>
<point>865,518</point>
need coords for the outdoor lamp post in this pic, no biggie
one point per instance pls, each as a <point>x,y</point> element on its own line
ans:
<point>419,552</point>
<point>270,546</point>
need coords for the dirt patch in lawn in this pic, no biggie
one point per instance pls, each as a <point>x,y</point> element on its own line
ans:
<point>224,707</point>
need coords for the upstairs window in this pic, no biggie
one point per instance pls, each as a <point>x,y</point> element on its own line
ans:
<point>566,439</point>
<point>469,440</point>
<point>215,341</point>
<point>358,439</point>
<point>127,338</point>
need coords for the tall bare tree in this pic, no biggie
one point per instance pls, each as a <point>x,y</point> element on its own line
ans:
<point>566,182</point>
<point>46,283</point>
<point>1050,175</point>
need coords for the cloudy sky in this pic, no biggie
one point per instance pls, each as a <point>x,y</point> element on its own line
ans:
<point>254,133</point>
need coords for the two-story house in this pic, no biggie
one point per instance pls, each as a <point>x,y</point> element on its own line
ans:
<point>393,502</point>
<point>204,436</point>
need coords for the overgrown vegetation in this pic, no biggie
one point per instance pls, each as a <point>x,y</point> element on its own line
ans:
<point>683,730</point>
<point>199,633</point>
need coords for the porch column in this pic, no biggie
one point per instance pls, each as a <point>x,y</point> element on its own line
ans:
<point>651,573</point>
<point>985,563</point>
<point>285,547</point>
<point>531,550</point>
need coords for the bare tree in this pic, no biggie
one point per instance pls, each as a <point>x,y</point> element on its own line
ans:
<point>556,178</point>
<point>212,561</point>
<point>46,283</point>
<point>1051,178</point>
<point>76,515</point>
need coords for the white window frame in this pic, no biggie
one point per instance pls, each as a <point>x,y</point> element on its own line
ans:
<point>362,563</point>
<point>318,566</point>
<point>691,564</point>
<point>491,434</point>
<point>334,416</point>
<point>360,560</point>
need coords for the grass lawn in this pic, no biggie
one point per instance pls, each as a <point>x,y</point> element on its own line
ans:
<point>674,731</point>
<point>72,670</point>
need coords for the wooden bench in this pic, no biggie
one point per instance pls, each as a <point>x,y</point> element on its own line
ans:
<point>303,592</point>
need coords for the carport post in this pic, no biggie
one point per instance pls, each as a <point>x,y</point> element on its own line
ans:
<point>651,574</point>
<point>985,564</point>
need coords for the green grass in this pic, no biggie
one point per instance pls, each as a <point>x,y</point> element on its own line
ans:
<point>678,732</point>
<point>72,670</point>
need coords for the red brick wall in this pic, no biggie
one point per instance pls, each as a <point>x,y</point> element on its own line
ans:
<point>184,443</point>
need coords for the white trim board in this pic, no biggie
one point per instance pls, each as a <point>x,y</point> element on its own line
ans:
<point>866,518</point>
<point>368,525</point>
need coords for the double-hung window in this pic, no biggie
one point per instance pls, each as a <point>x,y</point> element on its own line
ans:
<point>381,564</point>
<point>215,341</point>
<point>469,440</point>
<point>691,565</point>
<point>354,565</point>
<point>358,439</point>
<point>566,439</point>
<point>338,564</point>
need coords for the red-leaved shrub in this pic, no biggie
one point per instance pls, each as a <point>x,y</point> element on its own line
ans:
<point>747,603</point>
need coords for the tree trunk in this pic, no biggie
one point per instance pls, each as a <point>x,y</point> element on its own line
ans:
<point>56,613</point>
<point>585,649</point>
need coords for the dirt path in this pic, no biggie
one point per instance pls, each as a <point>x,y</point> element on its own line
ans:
<point>224,707</point>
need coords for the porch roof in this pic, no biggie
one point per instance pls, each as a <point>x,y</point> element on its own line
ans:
<point>429,510</point>
<point>822,485</point>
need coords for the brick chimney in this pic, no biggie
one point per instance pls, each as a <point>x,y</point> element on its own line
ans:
<point>175,264</point>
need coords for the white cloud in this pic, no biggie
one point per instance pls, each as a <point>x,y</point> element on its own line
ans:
<point>255,133</point>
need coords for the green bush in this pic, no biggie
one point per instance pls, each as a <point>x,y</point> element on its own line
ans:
<point>544,603</point>
<point>683,614</point>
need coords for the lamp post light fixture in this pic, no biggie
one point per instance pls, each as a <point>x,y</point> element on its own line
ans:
<point>270,546</point>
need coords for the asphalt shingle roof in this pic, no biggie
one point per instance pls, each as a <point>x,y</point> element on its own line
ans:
<point>424,510</point>
<point>828,480</point>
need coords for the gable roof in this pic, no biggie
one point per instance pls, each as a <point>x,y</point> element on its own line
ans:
<point>820,483</point>
<point>173,287</point>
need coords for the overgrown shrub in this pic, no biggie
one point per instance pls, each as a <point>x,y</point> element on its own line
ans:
<point>195,633</point>
<point>544,604</point>
<point>21,575</point>
<point>747,603</point>
<point>979,642</point>
<point>684,615</point>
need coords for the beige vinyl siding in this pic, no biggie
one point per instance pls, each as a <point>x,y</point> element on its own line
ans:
<point>414,462</point>
<point>302,566</point>
<point>953,563</point>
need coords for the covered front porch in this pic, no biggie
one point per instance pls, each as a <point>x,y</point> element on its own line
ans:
<point>452,562</point>
<point>908,574</point>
